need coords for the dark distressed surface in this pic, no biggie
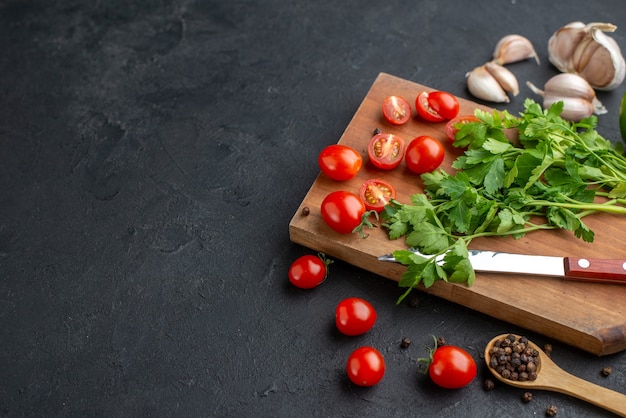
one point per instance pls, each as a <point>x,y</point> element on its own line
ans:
<point>152,154</point>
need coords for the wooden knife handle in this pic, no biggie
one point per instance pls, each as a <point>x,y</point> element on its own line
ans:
<point>595,270</point>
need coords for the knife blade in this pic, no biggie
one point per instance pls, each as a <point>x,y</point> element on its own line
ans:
<point>597,270</point>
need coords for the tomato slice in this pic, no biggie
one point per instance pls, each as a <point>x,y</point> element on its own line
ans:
<point>396,110</point>
<point>436,106</point>
<point>376,193</point>
<point>386,151</point>
<point>453,126</point>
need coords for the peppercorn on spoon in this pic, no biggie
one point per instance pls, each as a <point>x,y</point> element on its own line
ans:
<point>552,378</point>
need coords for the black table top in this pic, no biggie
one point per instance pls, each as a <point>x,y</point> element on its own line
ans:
<point>152,155</point>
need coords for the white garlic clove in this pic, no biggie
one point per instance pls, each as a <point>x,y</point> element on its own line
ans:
<point>586,50</point>
<point>514,48</point>
<point>574,109</point>
<point>569,85</point>
<point>484,86</point>
<point>504,77</point>
<point>579,99</point>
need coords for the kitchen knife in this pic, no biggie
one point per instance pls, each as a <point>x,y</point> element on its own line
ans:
<point>570,268</point>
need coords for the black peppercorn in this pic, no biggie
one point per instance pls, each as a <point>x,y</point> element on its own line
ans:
<point>551,411</point>
<point>513,359</point>
<point>488,385</point>
<point>306,211</point>
<point>606,371</point>
<point>405,342</point>
<point>527,397</point>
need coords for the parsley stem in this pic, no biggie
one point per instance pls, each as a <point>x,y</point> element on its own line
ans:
<point>608,206</point>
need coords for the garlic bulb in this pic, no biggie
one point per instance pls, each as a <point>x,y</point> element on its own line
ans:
<point>491,82</point>
<point>586,50</point>
<point>513,48</point>
<point>579,99</point>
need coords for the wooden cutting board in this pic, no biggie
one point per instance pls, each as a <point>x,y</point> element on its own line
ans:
<point>585,315</point>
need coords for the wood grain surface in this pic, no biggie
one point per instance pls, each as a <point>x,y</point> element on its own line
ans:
<point>589,316</point>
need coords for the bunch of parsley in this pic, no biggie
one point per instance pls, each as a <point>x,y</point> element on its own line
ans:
<point>548,178</point>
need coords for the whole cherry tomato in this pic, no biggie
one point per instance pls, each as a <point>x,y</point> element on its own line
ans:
<point>365,366</point>
<point>452,367</point>
<point>396,110</point>
<point>376,193</point>
<point>424,154</point>
<point>386,151</point>
<point>340,162</point>
<point>436,106</point>
<point>342,211</point>
<point>453,126</point>
<point>309,271</point>
<point>354,316</point>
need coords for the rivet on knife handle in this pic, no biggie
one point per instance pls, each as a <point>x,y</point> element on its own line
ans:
<point>595,269</point>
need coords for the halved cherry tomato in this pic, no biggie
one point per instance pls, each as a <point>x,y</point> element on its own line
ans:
<point>396,110</point>
<point>340,162</point>
<point>342,211</point>
<point>436,106</point>
<point>453,126</point>
<point>376,193</point>
<point>386,151</point>
<point>424,154</point>
<point>309,271</point>
<point>354,316</point>
<point>365,366</point>
<point>452,367</point>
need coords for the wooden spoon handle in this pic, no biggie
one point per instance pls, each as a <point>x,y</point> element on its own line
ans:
<point>592,393</point>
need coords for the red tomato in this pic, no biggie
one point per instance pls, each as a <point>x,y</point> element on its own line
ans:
<point>396,110</point>
<point>386,151</point>
<point>309,271</point>
<point>424,154</point>
<point>342,211</point>
<point>354,316</point>
<point>452,367</point>
<point>340,162</point>
<point>376,193</point>
<point>366,366</point>
<point>453,126</point>
<point>437,106</point>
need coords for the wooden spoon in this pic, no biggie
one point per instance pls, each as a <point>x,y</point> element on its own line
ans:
<point>551,377</point>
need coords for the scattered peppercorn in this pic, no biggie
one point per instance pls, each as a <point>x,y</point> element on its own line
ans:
<point>548,349</point>
<point>551,411</point>
<point>377,131</point>
<point>513,359</point>
<point>306,211</point>
<point>527,397</point>
<point>405,342</point>
<point>606,371</point>
<point>489,384</point>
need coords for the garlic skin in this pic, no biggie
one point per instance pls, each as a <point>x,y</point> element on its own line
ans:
<point>513,48</point>
<point>585,49</point>
<point>483,85</point>
<point>578,97</point>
